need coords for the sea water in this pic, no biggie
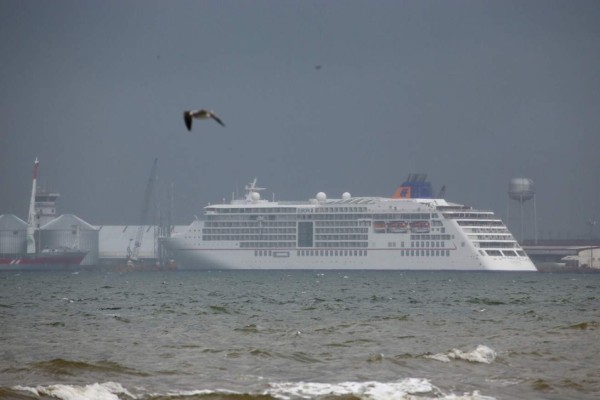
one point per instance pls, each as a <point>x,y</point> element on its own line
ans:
<point>299,335</point>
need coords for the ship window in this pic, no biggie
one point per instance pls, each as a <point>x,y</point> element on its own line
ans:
<point>305,234</point>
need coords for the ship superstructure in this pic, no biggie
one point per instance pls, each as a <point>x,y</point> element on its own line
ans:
<point>403,232</point>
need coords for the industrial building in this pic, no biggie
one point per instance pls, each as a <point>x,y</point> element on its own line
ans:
<point>13,234</point>
<point>70,232</point>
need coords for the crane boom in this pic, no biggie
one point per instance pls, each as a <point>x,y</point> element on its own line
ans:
<point>134,253</point>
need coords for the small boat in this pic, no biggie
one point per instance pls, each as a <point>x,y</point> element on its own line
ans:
<point>379,226</point>
<point>397,227</point>
<point>420,226</point>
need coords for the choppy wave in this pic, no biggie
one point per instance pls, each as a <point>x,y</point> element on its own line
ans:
<point>584,325</point>
<point>406,389</point>
<point>207,331</point>
<point>485,301</point>
<point>59,366</point>
<point>95,391</point>
<point>409,388</point>
<point>481,354</point>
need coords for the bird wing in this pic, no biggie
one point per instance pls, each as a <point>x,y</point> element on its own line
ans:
<point>213,116</point>
<point>187,118</point>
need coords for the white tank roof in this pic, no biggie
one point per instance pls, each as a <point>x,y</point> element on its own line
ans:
<point>66,221</point>
<point>11,222</point>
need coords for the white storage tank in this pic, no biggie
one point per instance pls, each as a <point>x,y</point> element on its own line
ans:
<point>13,235</point>
<point>70,231</point>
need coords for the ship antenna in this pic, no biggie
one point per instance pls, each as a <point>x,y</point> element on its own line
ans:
<point>251,188</point>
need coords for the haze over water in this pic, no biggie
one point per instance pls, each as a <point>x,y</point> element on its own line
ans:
<point>301,334</point>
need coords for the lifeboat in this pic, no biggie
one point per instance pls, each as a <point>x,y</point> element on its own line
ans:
<point>397,227</point>
<point>420,226</point>
<point>379,226</point>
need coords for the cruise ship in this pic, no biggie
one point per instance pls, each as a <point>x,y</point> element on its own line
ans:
<point>412,230</point>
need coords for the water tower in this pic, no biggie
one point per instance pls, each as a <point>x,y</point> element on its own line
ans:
<point>522,189</point>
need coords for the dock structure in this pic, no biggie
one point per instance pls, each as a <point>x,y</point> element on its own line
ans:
<point>564,255</point>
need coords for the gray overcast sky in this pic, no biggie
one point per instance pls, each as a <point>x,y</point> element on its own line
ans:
<point>473,93</point>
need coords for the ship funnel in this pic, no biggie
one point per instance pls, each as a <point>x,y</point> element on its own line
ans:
<point>415,186</point>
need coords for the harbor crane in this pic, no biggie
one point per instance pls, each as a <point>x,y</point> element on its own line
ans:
<point>133,254</point>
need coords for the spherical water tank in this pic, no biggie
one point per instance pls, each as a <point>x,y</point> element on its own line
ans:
<point>521,189</point>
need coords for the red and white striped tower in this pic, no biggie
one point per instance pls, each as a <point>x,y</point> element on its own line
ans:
<point>31,217</point>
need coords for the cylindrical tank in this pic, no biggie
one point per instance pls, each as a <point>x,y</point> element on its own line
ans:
<point>521,189</point>
<point>69,231</point>
<point>13,235</point>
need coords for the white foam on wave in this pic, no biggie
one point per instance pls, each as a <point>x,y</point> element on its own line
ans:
<point>405,389</point>
<point>481,354</point>
<point>96,391</point>
<point>365,390</point>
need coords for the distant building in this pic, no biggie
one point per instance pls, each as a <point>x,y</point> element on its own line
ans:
<point>567,254</point>
<point>115,242</point>
<point>45,207</point>
<point>585,258</point>
<point>13,235</point>
<point>70,232</point>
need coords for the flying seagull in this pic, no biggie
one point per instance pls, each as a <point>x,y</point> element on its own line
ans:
<point>199,114</point>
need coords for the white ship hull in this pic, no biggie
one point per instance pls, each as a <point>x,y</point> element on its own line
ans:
<point>224,256</point>
<point>376,259</point>
<point>349,233</point>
